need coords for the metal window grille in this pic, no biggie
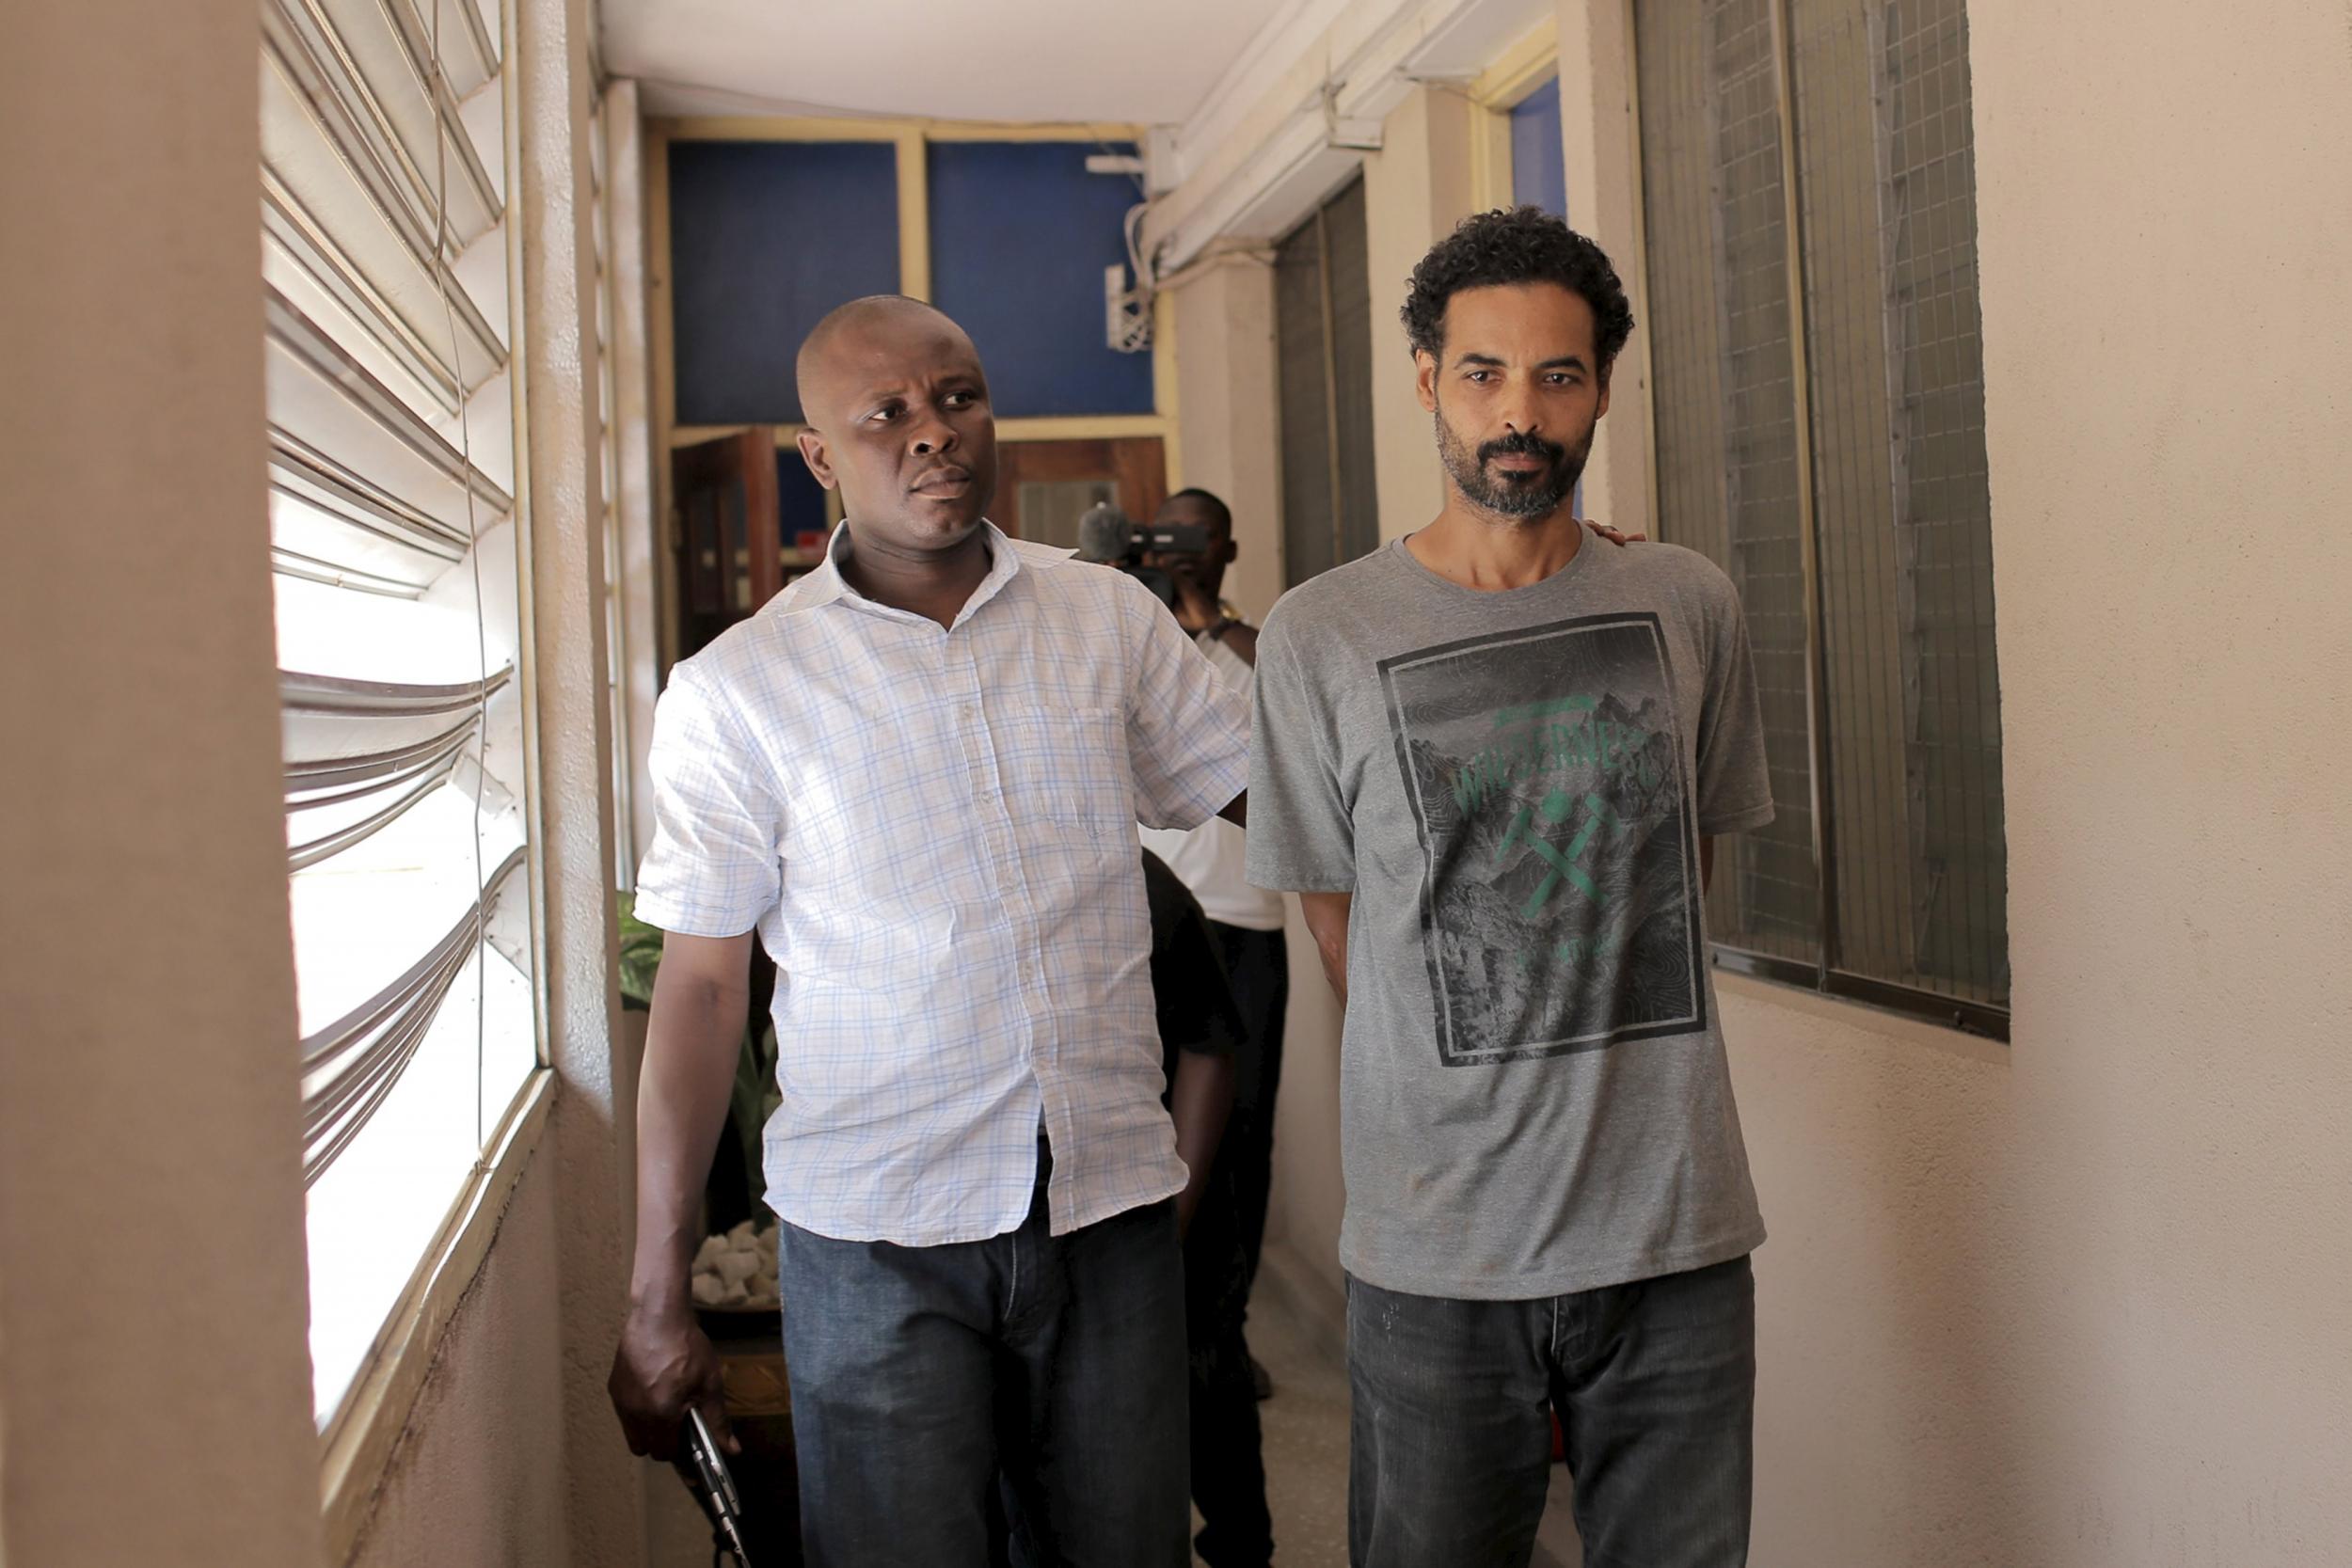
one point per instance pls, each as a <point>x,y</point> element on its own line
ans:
<point>1809,192</point>
<point>1322,344</point>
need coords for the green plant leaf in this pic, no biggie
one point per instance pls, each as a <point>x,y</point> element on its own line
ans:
<point>641,955</point>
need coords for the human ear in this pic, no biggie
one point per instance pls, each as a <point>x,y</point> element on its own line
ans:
<point>819,461</point>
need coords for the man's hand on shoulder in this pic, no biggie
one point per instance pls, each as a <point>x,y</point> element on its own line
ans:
<point>1615,536</point>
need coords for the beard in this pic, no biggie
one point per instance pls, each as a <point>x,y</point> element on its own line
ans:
<point>1519,497</point>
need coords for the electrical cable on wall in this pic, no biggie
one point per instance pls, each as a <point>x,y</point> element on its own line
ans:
<point>437,91</point>
<point>1127,310</point>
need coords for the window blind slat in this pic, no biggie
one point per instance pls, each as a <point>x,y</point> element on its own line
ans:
<point>334,696</point>
<point>376,103</point>
<point>350,1065</point>
<point>342,835</point>
<point>303,793</point>
<point>337,732</point>
<point>402,305</point>
<point>335,770</point>
<point>322,398</point>
<point>346,541</point>
<point>469,56</point>
<point>330,493</point>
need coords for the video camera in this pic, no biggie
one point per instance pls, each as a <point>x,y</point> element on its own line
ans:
<point>1106,537</point>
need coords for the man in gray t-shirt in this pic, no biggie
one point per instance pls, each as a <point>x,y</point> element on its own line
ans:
<point>1492,757</point>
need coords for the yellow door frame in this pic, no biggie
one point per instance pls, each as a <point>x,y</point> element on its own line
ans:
<point>1503,86</point>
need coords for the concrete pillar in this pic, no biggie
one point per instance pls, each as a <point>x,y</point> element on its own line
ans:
<point>1417,187</point>
<point>593,1123</point>
<point>632,418</point>
<point>1600,147</point>
<point>154,1390</point>
<point>1229,409</point>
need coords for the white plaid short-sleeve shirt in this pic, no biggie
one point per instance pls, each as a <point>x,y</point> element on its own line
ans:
<point>934,832</point>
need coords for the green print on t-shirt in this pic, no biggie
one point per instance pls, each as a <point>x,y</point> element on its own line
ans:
<point>1560,898</point>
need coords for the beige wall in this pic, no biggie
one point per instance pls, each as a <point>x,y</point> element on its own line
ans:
<point>1417,187</point>
<point>1226,391</point>
<point>155,1400</point>
<point>476,1480</point>
<point>155,1406</point>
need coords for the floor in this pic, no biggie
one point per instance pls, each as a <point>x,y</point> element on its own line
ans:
<point>1305,1435</point>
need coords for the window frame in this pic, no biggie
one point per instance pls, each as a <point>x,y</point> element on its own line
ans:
<point>1821,976</point>
<point>1512,77</point>
<point>358,1439</point>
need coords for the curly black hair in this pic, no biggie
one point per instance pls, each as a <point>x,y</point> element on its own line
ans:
<point>1516,244</point>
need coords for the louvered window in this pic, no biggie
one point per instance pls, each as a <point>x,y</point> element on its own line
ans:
<point>385,244</point>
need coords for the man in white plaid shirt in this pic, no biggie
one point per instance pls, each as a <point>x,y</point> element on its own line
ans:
<point>916,773</point>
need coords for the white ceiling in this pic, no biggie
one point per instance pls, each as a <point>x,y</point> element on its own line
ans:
<point>1139,61</point>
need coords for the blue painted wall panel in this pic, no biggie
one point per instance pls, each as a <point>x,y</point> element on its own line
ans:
<point>1019,235</point>
<point>765,238</point>
<point>1539,171</point>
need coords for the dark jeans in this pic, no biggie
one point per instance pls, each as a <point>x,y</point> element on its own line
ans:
<point>1227,1459</point>
<point>1257,963</point>
<point>919,1374</point>
<point>1655,1385</point>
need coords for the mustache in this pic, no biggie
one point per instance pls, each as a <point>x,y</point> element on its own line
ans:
<point>1520,443</point>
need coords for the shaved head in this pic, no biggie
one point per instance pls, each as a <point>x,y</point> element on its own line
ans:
<point>834,343</point>
<point>895,415</point>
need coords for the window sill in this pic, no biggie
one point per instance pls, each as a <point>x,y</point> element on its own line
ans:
<point>1966,1018</point>
<point>357,1446</point>
<point>1851,1013</point>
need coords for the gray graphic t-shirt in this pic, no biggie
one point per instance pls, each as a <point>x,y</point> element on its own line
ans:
<point>1534,1093</point>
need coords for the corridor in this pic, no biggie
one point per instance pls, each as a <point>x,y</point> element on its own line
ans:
<point>400,393</point>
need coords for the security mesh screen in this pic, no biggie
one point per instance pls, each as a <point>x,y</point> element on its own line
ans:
<point>1895,348</point>
<point>1907,684</point>
<point>1323,347</point>
<point>1727,413</point>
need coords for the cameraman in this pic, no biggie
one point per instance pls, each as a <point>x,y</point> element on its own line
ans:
<point>1184,517</point>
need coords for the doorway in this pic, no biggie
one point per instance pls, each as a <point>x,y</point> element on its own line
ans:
<point>1045,487</point>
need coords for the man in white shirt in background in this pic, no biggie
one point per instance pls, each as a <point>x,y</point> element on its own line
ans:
<point>1245,923</point>
<point>916,773</point>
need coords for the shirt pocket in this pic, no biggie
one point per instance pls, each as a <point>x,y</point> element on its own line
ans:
<point>1066,773</point>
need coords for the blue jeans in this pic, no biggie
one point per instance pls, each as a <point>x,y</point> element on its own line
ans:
<point>1450,1446</point>
<point>919,1374</point>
